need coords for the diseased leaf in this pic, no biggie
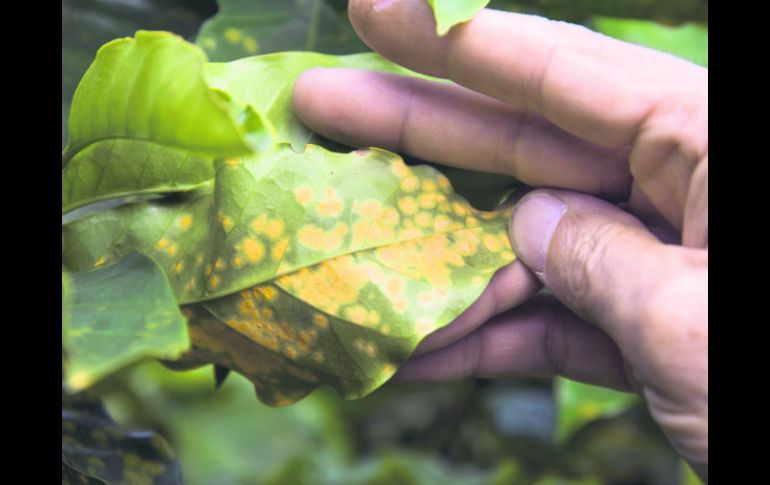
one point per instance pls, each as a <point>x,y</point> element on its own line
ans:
<point>245,28</point>
<point>306,274</point>
<point>144,120</point>
<point>449,13</point>
<point>119,314</point>
<point>95,450</point>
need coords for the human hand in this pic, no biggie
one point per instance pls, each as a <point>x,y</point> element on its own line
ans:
<point>558,106</point>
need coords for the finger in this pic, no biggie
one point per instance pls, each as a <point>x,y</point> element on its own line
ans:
<point>596,88</point>
<point>508,288</point>
<point>455,126</point>
<point>597,259</point>
<point>538,339</point>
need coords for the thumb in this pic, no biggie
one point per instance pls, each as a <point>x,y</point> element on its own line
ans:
<point>597,259</point>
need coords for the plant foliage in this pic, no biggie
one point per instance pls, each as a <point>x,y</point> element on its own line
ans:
<point>296,268</point>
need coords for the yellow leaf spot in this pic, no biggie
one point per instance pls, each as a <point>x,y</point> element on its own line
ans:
<point>237,261</point>
<point>179,267</point>
<point>220,264</point>
<point>279,249</point>
<point>185,222</point>
<point>210,43</point>
<point>268,292</point>
<point>367,348</point>
<point>394,287</point>
<point>442,223</point>
<point>390,216</point>
<point>233,35</point>
<point>291,352</point>
<point>172,249</point>
<point>429,186</point>
<point>162,244</point>
<point>232,163</point>
<point>444,183</point>
<point>407,205</point>
<point>399,168</point>
<point>100,261</point>
<point>250,44</point>
<point>303,194</point>
<point>491,242</point>
<point>427,200</point>
<point>227,223</point>
<point>253,249</point>
<point>320,321</point>
<point>459,209</point>
<point>274,228</point>
<point>330,205</point>
<point>471,221</point>
<point>423,219</point>
<point>410,184</point>
<point>368,209</point>
<point>214,282</point>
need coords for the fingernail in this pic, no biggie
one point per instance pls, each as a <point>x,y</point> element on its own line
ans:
<point>534,221</point>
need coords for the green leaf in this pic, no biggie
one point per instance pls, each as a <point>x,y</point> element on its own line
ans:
<point>689,41</point>
<point>581,403</point>
<point>266,82</point>
<point>245,28</point>
<point>449,13</point>
<point>87,24</point>
<point>326,279</point>
<point>144,120</point>
<point>120,314</point>
<point>95,450</point>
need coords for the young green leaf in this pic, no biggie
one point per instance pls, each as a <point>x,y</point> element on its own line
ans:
<point>266,83</point>
<point>144,120</point>
<point>292,254</point>
<point>449,13</point>
<point>118,315</point>
<point>245,28</point>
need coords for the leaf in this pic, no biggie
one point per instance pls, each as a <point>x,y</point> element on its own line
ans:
<point>318,277</point>
<point>95,450</point>
<point>449,13</point>
<point>582,403</point>
<point>119,314</point>
<point>144,120</point>
<point>266,82</point>
<point>245,28</point>
<point>689,41</point>
<point>87,24</point>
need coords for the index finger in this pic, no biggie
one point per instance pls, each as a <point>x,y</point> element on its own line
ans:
<point>592,86</point>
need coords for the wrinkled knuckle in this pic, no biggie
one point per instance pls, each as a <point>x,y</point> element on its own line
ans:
<point>585,260</point>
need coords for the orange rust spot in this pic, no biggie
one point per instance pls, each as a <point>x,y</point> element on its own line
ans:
<point>253,249</point>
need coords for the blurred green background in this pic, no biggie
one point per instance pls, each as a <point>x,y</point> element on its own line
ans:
<point>475,431</point>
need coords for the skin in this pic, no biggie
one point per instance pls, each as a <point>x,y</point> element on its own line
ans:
<point>615,136</point>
